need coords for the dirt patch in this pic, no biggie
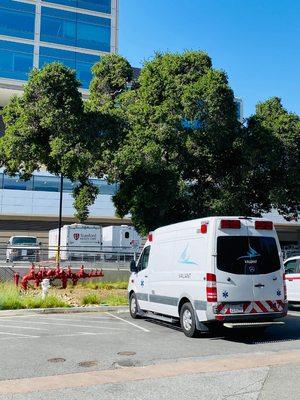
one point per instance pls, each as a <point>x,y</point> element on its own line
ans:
<point>74,296</point>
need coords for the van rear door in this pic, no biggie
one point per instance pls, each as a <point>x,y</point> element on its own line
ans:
<point>266,269</point>
<point>233,281</point>
<point>248,267</point>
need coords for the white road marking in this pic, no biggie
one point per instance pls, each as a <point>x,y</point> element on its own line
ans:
<point>297,314</point>
<point>75,325</point>
<point>130,323</point>
<point>18,334</point>
<point>80,334</point>
<point>22,327</point>
<point>84,320</point>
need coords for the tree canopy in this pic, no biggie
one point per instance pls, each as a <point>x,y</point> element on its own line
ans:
<point>47,126</point>
<point>171,140</point>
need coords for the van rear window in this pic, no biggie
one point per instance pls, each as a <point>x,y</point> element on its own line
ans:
<point>247,255</point>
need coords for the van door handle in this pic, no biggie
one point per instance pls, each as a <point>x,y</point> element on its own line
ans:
<point>259,285</point>
<point>146,276</point>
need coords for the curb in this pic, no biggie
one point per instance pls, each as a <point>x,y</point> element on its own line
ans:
<point>71,310</point>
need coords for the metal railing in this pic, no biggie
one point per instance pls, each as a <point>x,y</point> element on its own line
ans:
<point>90,256</point>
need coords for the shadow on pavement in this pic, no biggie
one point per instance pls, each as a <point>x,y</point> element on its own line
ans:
<point>283,333</point>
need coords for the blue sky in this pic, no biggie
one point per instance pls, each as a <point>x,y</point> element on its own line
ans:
<point>257,42</point>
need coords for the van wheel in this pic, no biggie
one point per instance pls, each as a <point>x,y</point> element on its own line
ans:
<point>188,320</point>
<point>133,306</point>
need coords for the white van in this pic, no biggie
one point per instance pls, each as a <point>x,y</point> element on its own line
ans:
<point>292,278</point>
<point>218,269</point>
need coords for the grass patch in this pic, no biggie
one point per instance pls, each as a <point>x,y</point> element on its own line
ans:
<point>91,298</point>
<point>11,298</point>
<point>94,285</point>
<point>109,299</point>
<point>115,300</point>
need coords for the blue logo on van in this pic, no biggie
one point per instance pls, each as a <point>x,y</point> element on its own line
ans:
<point>251,253</point>
<point>184,258</point>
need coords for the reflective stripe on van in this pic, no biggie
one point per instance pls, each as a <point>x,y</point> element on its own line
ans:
<point>252,307</point>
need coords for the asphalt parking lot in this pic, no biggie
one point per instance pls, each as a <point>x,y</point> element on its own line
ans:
<point>111,356</point>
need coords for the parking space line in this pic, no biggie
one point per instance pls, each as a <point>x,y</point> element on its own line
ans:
<point>75,325</point>
<point>22,327</point>
<point>18,334</point>
<point>84,320</point>
<point>128,322</point>
<point>297,314</point>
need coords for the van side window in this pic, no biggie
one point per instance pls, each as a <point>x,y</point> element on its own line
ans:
<point>144,259</point>
<point>291,267</point>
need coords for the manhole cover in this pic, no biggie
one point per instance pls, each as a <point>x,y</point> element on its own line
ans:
<point>126,353</point>
<point>125,363</point>
<point>87,363</point>
<point>56,360</point>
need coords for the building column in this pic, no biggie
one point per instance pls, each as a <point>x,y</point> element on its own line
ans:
<point>37,31</point>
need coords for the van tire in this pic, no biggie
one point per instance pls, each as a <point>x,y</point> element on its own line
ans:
<point>188,320</point>
<point>133,306</point>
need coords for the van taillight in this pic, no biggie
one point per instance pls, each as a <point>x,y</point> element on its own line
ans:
<point>265,225</point>
<point>211,288</point>
<point>284,287</point>
<point>150,237</point>
<point>230,224</point>
<point>203,228</point>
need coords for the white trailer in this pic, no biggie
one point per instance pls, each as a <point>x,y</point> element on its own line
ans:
<point>77,241</point>
<point>120,239</point>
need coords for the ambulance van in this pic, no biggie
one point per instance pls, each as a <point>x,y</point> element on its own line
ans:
<point>210,271</point>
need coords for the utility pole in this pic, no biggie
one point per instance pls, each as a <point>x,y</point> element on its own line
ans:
<point>60,217</point>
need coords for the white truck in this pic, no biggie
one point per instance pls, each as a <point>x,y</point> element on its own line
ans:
<point>120,239</point>
<point>23,248</point>
<point>210,271</point>
<point>78,241</point>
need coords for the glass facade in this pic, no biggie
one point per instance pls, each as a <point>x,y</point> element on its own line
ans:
<point>73,32</point>
<point>48,183</point>
<point>103,6</point>
<point>17,19</point>
<point>16,60</point>
<point>81,62</point>
<point>74,29</point>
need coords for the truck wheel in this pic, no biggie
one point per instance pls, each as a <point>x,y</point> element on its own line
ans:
<point>133,306</point>
<point>188,320</point>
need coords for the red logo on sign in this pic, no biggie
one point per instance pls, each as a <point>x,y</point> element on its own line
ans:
<point>76,236</point>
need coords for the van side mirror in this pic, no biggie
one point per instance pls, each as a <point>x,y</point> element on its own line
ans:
<point>133,266</point>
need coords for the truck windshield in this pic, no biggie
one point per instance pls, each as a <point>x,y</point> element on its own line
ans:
<point>24,240</point>
<point>247,255</point>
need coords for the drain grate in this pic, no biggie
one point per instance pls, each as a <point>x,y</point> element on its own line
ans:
<point>126,353</point>
<point>87,364</point>
<point>56,360</point>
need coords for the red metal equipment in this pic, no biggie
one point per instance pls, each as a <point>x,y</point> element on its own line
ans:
<point>57,273</point>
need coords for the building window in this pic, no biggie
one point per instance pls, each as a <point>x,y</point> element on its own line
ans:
<point>82,63</point>
<point>48,55</point>
<point>46,183</point>
<point>68,28</point>
<point>51,183</point>
<point>104,187</point>
<point>17,19</point>
<point>103,6</point>
<point>16,60</point>
<point>14,182</point>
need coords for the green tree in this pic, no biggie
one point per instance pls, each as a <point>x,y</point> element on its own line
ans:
<point>181,154</point>
<point>282,174</point>
<point>47,126</point>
